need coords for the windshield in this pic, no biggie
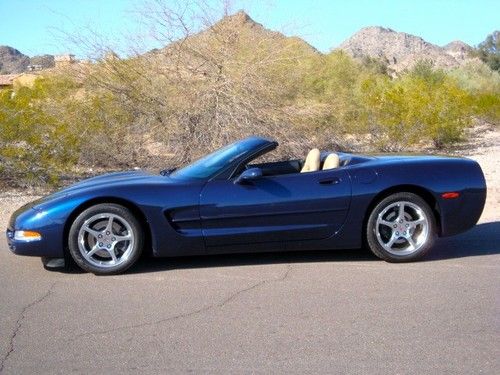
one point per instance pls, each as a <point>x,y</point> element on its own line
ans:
<point>214,162</point>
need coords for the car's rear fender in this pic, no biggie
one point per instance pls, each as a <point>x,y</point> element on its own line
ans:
<point>432,179</point>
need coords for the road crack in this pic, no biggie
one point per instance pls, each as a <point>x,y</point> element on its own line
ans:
<point>19,323</point>
<point>188,314</point>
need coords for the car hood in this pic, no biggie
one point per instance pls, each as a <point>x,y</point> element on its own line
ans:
<point>109,179</point>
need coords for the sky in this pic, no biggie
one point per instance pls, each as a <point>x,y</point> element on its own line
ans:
<point>42,26</point>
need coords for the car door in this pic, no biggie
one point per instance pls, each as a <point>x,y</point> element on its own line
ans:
<point>298,206</point>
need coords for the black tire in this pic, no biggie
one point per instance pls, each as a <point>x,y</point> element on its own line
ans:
<point>125,239</point>
<point>383,239</point>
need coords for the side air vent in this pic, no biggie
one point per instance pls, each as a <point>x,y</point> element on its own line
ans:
<point>184,220</point>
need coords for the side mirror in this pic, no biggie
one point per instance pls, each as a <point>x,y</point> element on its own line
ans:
<point>248,175</point>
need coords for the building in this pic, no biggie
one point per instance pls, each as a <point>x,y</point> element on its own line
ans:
<point>34,67</point>
<point>64,60</point>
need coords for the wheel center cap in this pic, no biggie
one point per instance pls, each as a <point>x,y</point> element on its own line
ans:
<point>106,241</point>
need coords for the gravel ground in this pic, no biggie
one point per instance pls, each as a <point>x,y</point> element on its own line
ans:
<point>10,201</point>
<point>485,149</point>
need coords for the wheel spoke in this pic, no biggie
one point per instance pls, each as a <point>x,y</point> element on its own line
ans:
<point>401,211</point>
<point>109,226</point>
<point>126,237</point>
<point>112,253</point>
<point>91,231</point>
<point>391,241</point>
<point>92,251</point>
<point>411,242</point>
<point>386,223</point>
<point>414,223</point>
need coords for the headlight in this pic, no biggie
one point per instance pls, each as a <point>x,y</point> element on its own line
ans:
<point>27,236</point>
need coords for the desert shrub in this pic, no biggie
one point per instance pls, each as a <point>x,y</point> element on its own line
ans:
<point>206,90</point>
<point>484,86</point>
<point>487,107</point>
<point>422,105</point>
<point>36,145</point>
<point>375,65</point>
<point>330,87</point>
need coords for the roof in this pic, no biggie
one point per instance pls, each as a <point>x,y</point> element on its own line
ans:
<point>6,79</point>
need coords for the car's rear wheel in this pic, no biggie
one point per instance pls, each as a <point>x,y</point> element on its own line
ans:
<point>105,239</point>
<point>401,228</point>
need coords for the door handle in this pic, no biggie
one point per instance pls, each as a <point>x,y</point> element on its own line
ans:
<point>329,181</point>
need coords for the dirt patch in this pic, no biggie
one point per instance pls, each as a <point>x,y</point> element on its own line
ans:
<point>485,149</point>
<point>11,201</point>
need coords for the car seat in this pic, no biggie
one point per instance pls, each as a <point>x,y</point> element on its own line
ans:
<point>332,161</point>
<point>312,161</point>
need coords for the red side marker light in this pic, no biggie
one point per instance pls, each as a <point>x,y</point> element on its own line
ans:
<point>450,195</point>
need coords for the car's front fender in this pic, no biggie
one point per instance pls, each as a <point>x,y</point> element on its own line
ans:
<point>47,220</point>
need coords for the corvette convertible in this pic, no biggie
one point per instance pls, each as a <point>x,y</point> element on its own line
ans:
<point>229,202</point>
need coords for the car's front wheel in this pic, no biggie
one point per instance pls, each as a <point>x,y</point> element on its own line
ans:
<point>105,239</point>
<point>401,228</point>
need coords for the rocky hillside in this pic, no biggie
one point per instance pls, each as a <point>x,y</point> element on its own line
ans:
<point>241,23</point>
<point>458,49</point>
<point>43,61</point>
<point>240,34</point>
<point>401,50</point>
<point>13,61</point>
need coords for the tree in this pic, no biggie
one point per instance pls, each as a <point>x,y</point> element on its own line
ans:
<point>213,80</point>
<point>489,50</point>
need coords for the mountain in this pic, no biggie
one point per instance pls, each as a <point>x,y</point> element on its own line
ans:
<point>242,23</point>
<point>13,61</point>
<point>401,50</point>
<point>458,49</point>
<point>235,37</point>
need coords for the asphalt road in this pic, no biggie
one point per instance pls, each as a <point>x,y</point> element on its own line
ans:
<point>315,312</point>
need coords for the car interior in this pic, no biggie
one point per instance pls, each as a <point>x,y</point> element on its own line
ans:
<point>314,161</point>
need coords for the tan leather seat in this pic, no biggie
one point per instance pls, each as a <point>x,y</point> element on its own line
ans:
<point>332,161</point>
<point>312,161</point>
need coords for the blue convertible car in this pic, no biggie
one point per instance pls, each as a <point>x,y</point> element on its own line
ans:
<point>227,202</point>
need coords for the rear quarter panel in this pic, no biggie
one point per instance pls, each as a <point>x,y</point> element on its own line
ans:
<point>376,179</point>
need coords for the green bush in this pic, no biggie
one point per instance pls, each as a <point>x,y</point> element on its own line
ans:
<point>484,86</point>
<point>330,85</point>
<point>422,105</point>
<point>36,144</point>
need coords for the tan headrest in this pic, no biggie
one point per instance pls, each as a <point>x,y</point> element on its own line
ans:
<point>312,161</point>
<point>332,161</point>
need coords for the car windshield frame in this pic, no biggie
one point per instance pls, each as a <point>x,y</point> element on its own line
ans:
<point>215,162</point>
